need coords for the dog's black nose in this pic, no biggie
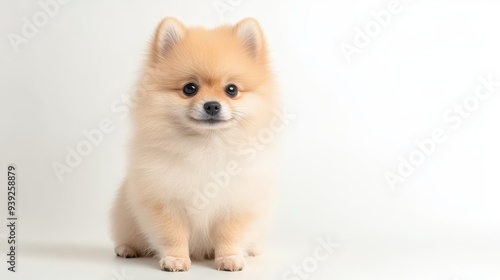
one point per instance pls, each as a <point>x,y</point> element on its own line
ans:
<point>212,108</point>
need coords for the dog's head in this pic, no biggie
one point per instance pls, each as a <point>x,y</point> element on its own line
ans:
<point>201,81</point>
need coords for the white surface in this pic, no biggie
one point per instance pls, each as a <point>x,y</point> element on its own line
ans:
<point>353,121</point>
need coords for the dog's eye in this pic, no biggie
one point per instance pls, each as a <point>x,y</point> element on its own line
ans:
<point>231,90</point>
<point>190,89</point>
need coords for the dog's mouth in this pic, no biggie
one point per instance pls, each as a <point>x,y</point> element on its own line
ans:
<point>209,121</point>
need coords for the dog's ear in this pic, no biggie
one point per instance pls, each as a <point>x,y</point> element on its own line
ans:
<point>168,33</point>
<point>250,34</point>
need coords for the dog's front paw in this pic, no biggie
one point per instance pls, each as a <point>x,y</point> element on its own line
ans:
<point>174,264</point>
<point>125,251</point>
<point>230,263</point>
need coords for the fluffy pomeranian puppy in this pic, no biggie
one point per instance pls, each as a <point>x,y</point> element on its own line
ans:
<point>192,191</point>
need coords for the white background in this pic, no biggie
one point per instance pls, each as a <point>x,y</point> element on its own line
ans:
<point>354,120</point>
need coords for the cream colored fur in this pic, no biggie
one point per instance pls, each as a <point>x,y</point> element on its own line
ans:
<point>167,205</point>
